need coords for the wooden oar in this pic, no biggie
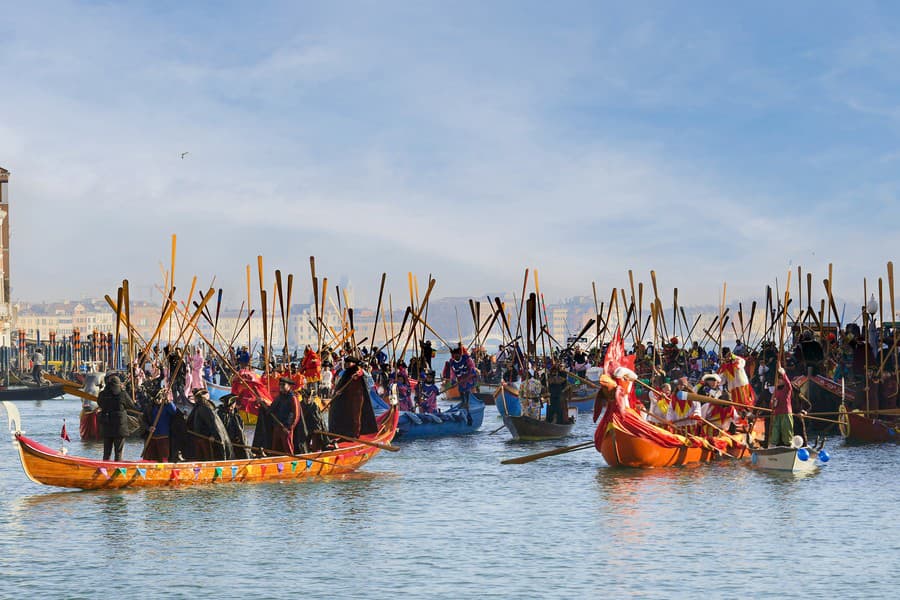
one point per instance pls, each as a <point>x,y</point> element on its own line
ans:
<point>346,438</point>
<point>377,311</point>
<point>521,460</point>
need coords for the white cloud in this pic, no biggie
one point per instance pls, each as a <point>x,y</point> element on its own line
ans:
<point>381,147</point>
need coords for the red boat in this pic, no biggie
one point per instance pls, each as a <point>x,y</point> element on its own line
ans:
<point>877,427</point>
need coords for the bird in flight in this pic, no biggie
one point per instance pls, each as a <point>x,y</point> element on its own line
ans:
<point>183,155</point>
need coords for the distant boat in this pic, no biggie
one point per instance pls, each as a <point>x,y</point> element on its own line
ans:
<point>529,429</point>
<point>32,392</point>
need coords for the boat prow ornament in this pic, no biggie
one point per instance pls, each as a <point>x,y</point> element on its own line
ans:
<point>13,418</point>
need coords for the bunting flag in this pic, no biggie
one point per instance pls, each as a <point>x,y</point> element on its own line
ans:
<point>234,471</point>
<point>196,472</point>
<point>262,470</point>
<point>293,466</point>
<point>175,473</point>
<point>308,464</point>
<point>217,472</point>
<point>122,471</point>
<point>280,467</point>
<point>64,434</point>
<point>104,472</point>
<point>142,472</point>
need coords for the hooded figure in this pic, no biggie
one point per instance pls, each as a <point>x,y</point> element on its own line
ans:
<point>234,426</point>
<point>284,415</point>
<point>113,417</point>
<point>204,423</point>
<point>351,413</point>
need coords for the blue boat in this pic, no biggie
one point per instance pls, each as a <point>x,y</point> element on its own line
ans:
<point>507,402</point>
<point>582,396</point>
<point>456,420</point>
<point>217,392</point>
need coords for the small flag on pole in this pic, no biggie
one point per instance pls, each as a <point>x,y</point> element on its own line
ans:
<point>64,434</point>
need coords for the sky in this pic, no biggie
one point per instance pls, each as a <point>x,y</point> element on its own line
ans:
<point>711,142</point>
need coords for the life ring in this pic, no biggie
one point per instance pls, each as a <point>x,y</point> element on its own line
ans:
<point>844,421</point>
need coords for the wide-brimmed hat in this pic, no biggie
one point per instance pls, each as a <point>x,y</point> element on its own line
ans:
<point>712,376</point>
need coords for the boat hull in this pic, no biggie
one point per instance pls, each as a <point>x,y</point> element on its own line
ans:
<point>621,449</point>
<point>856,427</point>
<point>412,426</point>
<point>32,392</point>
<point>49,467</point>
<point>529,429</point>
<point>782,458</point>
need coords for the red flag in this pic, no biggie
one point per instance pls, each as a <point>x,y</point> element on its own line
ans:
<point>64,434</point>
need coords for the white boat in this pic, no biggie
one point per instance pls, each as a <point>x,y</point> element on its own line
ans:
<point>797,458</point>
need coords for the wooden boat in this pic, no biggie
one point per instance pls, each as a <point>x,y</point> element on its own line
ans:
<point>875,428</point>
<point>623,449</point>
<point>32,392</point>
<point>625,439</point>
<point>527,428</point>
<point>50,467</point>
<point>784,458</point>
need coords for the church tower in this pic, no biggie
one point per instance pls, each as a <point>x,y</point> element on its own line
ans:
<point>5,307</point>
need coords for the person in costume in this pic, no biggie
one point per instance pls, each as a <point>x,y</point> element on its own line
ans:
<point>234,426</point>
<point>710,385</point>
<point>113,418</point>
<point>209,438</point>
<point>351,413</point>
<point>159,446</point>
<point>196,364</point>
<point>427,394</point>
<point>557,383</point>
<point>659,405</point>
<point>461,369</point>
<point>782,412</point>
<point>400,376</point>
<point>284,415</point>
<point>739,388</point>
<point>311,366</point>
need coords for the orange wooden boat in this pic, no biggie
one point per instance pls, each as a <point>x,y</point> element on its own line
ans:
<point>51,467</point>
<point>625,439</point>
<point>623,449</point>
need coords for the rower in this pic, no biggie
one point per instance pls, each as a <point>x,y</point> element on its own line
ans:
<point>427,394</point>
<point>210,438</point>
<point>557,383</point>
<point>782,412</point>
<point>351,413</point>
<point>659,404</point>
<point>284,413</point>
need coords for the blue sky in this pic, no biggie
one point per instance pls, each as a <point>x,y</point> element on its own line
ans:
<point>709,141</point>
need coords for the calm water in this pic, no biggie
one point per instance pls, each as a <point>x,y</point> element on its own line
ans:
<point>443,518</point>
